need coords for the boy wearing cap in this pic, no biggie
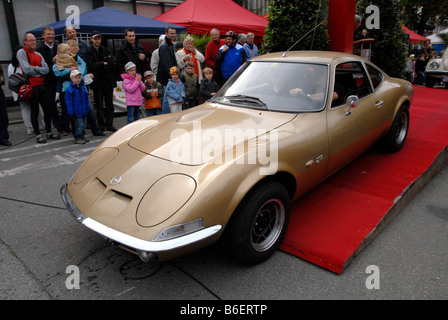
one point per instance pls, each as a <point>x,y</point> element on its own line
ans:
<point>152,94</point>
<point>77,101</point>
<point>175,91</point>
<point>133,87</point>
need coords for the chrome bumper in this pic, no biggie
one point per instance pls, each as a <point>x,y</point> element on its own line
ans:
<point>143,247</point>
<point>437,73</point>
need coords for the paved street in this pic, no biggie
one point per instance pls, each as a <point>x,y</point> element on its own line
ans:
<point>43,250</point>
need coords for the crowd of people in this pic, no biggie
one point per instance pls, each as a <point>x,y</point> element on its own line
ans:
<point>175,77</point>
<point>417,61</point>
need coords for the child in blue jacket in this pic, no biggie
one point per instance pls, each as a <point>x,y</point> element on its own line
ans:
<point>77,101</point>
<point>175,91</point>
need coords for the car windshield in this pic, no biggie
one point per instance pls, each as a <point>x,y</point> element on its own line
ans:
<point>277,86</point>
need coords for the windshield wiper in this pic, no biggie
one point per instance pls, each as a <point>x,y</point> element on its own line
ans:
<point>244,98</point>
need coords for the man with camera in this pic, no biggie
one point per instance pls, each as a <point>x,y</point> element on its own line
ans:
<point>102,64</point>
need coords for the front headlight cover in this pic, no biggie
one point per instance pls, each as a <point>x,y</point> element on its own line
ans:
<point>164,198</point>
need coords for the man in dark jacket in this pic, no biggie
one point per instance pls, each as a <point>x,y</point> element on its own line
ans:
<point>132,51</point>
<point>71,34</point>
<point>101,63</point>
<point>4,120</point>
<point>167,58</point>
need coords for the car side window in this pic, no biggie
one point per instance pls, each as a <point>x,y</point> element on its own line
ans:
<point>375,75</point>
<point>350,79</point>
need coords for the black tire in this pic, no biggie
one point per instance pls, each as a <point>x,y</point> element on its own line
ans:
<point>430,82</point>
<point>258,225</point>
<point>395,138</point>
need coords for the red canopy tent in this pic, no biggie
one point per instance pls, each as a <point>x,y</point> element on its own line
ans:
<point>413,36</point>
<point>200,16</point>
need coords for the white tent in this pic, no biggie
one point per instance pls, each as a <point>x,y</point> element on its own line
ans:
<point>437,42</point>
<point>435,39</point>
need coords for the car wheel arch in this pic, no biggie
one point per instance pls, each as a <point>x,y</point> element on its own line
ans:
<point>396,134</point>
<point>402,102</point>
<point>282,177</point>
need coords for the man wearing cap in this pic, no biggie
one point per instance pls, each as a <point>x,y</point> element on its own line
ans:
<point>410,68</point>
<point>102,64</point>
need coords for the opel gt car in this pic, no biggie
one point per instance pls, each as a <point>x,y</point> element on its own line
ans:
<point>437,71</point>
<point>228,170</point>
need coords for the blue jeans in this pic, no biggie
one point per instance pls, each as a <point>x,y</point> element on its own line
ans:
<point>80,127</point>
<point>133,113</point>
<point>165,105</point>
<point>153,112</point>
<point>91,119</point>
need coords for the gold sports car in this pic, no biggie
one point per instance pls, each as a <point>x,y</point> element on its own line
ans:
<point>230,168</point>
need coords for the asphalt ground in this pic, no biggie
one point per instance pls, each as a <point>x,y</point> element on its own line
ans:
<point>46,255</point>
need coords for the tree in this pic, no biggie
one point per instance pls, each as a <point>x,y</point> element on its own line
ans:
<point>389,51</point>
<point>417,13</point>
<point>289,20</point>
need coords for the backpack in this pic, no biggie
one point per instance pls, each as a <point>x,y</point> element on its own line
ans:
<point>16,81</point>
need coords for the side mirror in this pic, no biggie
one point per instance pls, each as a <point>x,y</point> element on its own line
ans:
<point>352,102</point>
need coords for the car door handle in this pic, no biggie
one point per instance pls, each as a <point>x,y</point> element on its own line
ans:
<point>379,103</point>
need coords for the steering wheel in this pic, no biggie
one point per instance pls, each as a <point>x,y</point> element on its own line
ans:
<point>298,93</point>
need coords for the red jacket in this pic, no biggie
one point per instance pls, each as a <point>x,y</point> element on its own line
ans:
<point>34,59</point>
<point>210,53</point>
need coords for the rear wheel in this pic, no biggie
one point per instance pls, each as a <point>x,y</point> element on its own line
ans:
<point>259,224</point>
<point>396,136</point>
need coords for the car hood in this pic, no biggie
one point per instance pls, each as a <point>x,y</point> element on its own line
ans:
<point>200,134</point>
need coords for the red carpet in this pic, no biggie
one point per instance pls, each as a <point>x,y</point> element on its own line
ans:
<point>333,220</point>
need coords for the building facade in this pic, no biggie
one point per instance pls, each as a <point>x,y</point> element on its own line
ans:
<point>19,16</point>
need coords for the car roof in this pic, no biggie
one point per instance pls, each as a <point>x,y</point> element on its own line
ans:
<point>308,56</point>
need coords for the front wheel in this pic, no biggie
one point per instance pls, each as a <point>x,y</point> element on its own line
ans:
<point>396,136</point>
<point>259,224</point>
<point>430,82</point>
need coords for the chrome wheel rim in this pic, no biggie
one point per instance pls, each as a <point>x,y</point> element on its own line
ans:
<point>402,128</point>
<point>267,225</point>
